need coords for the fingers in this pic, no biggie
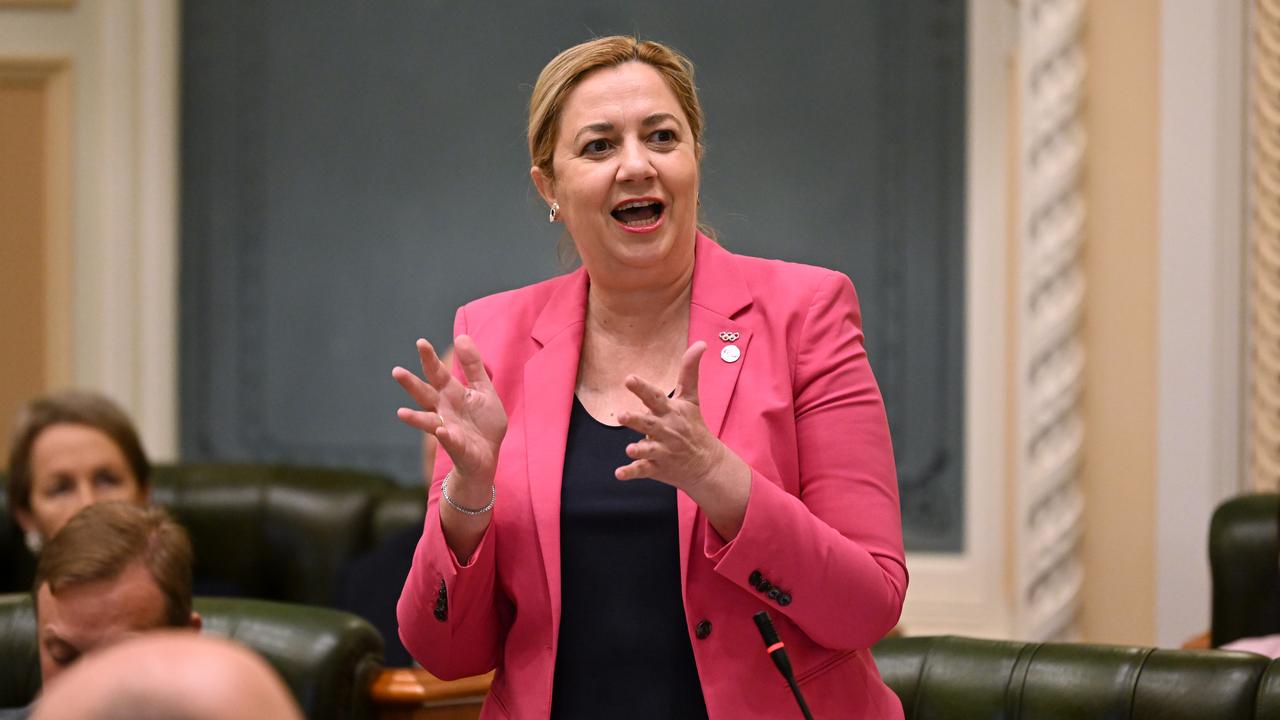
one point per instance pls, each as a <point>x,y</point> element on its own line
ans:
<point>426,396</point>
<point>642,450</point>
<point>643,424</point>
<point>472,364</point>
<point>453,442</point>
<point>688,387</point>
<point>426,421</point>
<point>649,394</point>
<point>432,369</point>
<point>635,471</point>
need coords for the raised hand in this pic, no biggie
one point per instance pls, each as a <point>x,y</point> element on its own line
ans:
<point>468,420</point>
<point>677,449</point>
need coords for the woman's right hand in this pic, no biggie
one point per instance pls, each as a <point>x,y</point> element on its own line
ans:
<point>468,420</point>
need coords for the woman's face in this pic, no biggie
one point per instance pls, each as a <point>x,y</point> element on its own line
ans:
<point>73,466</point>
<point>626,174</point>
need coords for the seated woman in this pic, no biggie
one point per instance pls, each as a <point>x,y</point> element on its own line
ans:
<point>69,450</point>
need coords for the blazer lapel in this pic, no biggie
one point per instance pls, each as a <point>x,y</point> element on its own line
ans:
<point>549,379</point>
<point>719,294</point>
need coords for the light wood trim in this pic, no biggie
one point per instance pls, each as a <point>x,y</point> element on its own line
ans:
<point>41,4</point>
<point>48,335</point>
<point>411,686</point>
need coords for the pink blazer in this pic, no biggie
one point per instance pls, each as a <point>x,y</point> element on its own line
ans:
<point>822,525</point>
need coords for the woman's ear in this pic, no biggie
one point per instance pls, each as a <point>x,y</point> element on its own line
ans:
<point>545,184</point>
<point>25,519</point>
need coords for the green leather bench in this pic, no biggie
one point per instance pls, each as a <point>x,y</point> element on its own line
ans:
<point>327,658</point>
<point>272,532</point>
<point>957,678</point>
<point>334,538</point>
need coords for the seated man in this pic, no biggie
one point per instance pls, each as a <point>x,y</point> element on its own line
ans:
<point>170,675</point>
<point>115,570</point>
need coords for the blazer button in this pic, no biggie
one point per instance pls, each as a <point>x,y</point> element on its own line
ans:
<point>784,599</point>
<point>702,629</point>
<point>774,593</point>
<point>755,578</point>
<point>764,586</point>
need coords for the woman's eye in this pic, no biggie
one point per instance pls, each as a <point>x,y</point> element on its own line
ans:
<point>106,478</point>
<point>58,486</point>
<point>595,147</point>
<point>664,136</point>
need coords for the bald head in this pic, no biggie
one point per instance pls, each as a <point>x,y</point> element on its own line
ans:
<point>171,675</point>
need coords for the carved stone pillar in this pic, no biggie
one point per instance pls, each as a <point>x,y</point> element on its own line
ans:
<point>1049,427</point>
<point>1264,191</point>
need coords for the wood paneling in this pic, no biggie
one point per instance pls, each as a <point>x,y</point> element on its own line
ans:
<point>34,222</point>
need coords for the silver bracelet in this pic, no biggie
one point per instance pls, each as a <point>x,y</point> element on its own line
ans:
<point>444,493</point>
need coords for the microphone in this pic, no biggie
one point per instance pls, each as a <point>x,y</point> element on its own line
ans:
<point>778,653</point>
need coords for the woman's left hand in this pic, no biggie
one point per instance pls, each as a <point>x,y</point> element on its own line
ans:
<point>678,449</point>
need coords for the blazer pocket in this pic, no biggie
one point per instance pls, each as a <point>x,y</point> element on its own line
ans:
<point>825,666</point>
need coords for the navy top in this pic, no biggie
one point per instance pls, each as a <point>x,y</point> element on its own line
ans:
<point>624,640</point>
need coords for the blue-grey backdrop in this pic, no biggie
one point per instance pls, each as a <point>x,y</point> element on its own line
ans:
<point>352,172</point>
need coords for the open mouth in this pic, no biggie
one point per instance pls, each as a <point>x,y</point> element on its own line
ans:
<point>638,213</point>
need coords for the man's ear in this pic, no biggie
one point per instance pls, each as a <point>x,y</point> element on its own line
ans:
<point>196,622</point>
<point>546,185</point>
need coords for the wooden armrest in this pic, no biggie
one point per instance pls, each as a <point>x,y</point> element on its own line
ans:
<point>1199,642</point>
<point>412,686</point>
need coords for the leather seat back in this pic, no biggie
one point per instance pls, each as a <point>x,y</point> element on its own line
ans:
<point>327,658</point>
<point>1244,559</point>
<point>274,532</point>
<point>955,678</point>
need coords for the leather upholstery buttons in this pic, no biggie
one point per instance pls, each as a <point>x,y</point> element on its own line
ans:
<point>702,629</point>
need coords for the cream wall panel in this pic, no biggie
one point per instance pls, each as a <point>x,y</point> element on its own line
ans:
<point>121,270</point>
<point>968,593</point>
<point>1119,475</point>
<point>1201,135</point>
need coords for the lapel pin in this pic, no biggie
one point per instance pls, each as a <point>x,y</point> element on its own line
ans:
<point>730,353</point>
<point>728,337</point>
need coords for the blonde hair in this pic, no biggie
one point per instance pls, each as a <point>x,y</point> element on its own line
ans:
<point>567,69</point>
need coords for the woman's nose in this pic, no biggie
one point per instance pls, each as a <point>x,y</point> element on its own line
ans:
<point>85,495</point>
<point>634,163</point>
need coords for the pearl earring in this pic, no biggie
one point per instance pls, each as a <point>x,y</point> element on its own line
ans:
<point>34,541</point>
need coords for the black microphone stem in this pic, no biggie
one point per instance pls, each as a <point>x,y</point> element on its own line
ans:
<point>778,654</point>
<point>795,690</point>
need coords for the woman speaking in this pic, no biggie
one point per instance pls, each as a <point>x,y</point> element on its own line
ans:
<point>646,452</point>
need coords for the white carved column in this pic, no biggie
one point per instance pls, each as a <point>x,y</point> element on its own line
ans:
<point>1264,180</point>
<point>1049,426</point>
